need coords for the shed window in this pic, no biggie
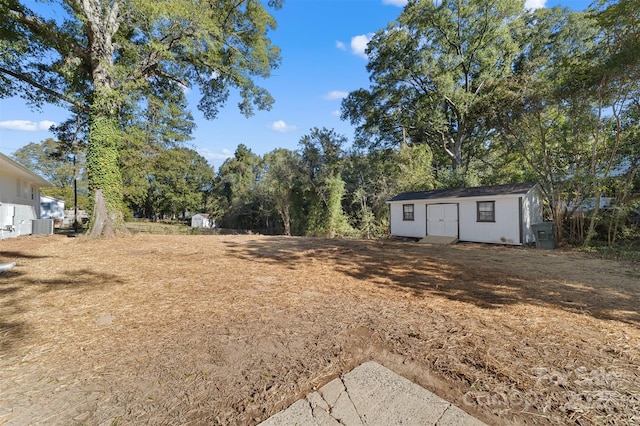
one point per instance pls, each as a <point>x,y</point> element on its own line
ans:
<point>486,211</point>
<point>407,212</point>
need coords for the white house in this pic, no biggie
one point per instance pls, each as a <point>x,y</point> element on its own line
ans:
<point>19,198</point>
<point>51,208</point>
<point>200,220</point>
<point>500,214</point>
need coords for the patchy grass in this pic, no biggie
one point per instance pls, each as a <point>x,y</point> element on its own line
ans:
<point>158,228</point>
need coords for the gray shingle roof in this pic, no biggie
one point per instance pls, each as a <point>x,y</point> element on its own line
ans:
<point>478,191</point>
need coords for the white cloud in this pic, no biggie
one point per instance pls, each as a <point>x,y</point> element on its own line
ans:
<point>336,94</point>
<point>25,125</point>
<point>340,45</point>
<point>185,89</point>
<point>281,126</point>
<point>215,157</point>
<point>534,4</point>
<point>399,3</point>
<point>359,44</point>
<point>336,113</point>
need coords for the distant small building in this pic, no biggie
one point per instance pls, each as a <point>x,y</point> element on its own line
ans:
<point>200,220</point>
<point>52,208</point>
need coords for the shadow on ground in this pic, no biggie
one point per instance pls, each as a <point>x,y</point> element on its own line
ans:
<point>13,255</point>
<point>488,277</point>
<point>18,291</point>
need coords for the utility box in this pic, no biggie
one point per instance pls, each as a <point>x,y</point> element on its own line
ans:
<point>42,227</point>
<point>544,235</point>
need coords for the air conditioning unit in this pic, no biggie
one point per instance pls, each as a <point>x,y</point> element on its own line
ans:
<point>42,227</point>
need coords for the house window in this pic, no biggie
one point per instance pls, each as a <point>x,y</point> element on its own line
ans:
<point>407,212</point>
<point>486,211</point>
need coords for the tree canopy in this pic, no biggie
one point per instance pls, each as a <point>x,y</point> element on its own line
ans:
<point>462,93</point>
<point>433,71</point>
<point>103,57</point>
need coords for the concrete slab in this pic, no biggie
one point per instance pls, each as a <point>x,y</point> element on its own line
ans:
<point>372,395</point>
<point>435,239</point>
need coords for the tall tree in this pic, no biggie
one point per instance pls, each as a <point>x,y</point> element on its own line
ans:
<point>323,163</point>
<point>181,179</point>
<point>543,114</point>
<point>282,181</point>
<point>164,124</point>
<point>373,177</point>
<point>102,55</point>
<point>238,187</point>
<point>613,72</point>
<point>42,158</point>
<point>433,72</point>
<point>58,167</point>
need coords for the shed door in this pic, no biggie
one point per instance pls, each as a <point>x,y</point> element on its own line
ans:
<point>442,220</point>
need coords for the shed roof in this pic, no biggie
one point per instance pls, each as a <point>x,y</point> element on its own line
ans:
<point>478,191</point>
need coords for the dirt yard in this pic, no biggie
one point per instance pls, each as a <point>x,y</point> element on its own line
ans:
<point>231,329</point>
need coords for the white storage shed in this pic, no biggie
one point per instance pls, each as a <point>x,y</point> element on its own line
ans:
<point>501,214</point>
<point>200,220</point>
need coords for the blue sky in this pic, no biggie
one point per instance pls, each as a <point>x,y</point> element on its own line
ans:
<point>322,44</point>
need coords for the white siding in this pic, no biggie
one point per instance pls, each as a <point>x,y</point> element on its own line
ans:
<point>506,228</point>
<point>21,197</point>
<point>199,221</point>
<point>416,228</point>
<point>512,224</point>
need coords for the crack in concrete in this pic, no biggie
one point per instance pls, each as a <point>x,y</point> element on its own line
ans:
<point>310,407</point>
<point>324,399</point>
<point>314,406</point>
<point>351,400</point>
<point>331,407</point>
<point>442,415</point>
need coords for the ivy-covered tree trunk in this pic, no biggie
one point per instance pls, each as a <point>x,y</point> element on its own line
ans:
<point>105,179</point>
<point>103,165</point>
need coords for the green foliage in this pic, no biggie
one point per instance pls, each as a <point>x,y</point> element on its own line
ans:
<point>104,171</point>
<point>326,216</point>
<point>322,165</point>
<point>282,179</point>
<point>45,159</point>
<point>180,181</point>
<point>320,190</point>
<point>238,179</point>
<point>67,195</point>
<point>107,58</point>
<point>414,170</point>
<point>49,161</point>
<point>617,252</point>
<point>433,74</point>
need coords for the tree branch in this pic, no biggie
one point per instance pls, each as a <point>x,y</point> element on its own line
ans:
<point>44,30</point>
<point>32,82</point>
